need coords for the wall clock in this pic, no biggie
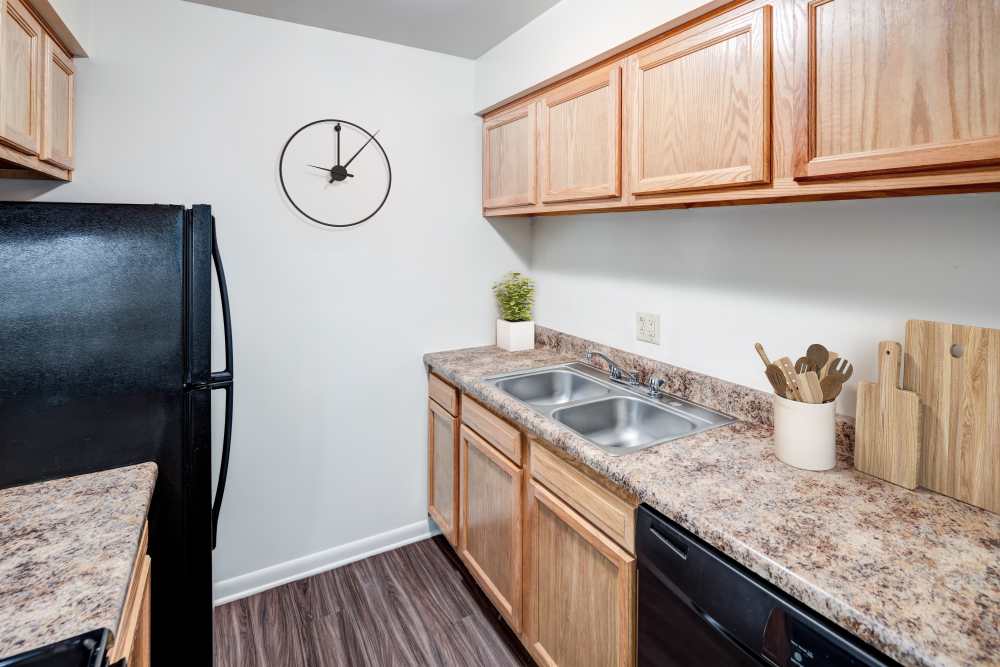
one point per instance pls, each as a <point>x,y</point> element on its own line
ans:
<point>335,172</point>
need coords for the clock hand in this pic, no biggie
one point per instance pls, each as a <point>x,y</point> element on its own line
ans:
<point>337,130</point>
<point>316,166</point>
<point>361,149</point>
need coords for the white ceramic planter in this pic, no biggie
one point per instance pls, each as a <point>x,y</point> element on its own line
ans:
<point>805,434</point>
<point>515,336</point>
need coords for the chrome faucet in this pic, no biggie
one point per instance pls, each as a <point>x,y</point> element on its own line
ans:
<point>654,386</point>
<point>615,372</point>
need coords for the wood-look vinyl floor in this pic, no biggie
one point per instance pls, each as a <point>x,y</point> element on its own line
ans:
<point>412,606</point>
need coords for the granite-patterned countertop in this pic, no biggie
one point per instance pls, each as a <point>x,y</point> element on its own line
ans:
<point>66,553</point>
<point>913,573</point>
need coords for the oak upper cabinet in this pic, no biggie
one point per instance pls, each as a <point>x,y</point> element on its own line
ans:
<point>20,77</point>
<point>490,523</point>
<point>510,158</point>
<point>899,85</point>
<point>579,125</point>
<point>58,75</point>
<point>442,484</point>
<point>698,108</point>
<point>579,589</point>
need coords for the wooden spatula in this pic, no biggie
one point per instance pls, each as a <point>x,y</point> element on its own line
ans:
<point>791,378</point>
<point>811,381</point>
<point>888,424</point>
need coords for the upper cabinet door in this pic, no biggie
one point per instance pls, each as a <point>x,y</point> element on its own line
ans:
<point>58,77</point>
<point>900,85</point>
<point>698,108</point>
<point>509,167</point>
<point>20,80</point>
<point>580,138</point>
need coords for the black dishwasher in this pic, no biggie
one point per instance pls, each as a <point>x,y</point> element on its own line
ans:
<point>698,607</point>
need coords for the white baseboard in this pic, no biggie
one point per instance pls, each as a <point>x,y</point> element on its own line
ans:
<point>248,584</point>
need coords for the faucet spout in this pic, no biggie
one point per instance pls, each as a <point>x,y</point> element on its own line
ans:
<point>615,372</point>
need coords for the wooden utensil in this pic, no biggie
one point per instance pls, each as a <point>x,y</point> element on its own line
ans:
<point>842,369</point>
<point>761,353</point>
<point>777,380</point>
<point>819,355</point>
<point>829,362</point>
<point>812,382</point>
<point>887,439</point>
<point>955,370</point>
<point>791,378</point>
<point>830,386</point>
<point>804,365</point>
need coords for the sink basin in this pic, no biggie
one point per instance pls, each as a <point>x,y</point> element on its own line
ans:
<point>623,423</point>
<point>552,388</point>
<point>618,418</point>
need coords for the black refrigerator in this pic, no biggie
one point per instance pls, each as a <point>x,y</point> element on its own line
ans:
<point>105,361</point>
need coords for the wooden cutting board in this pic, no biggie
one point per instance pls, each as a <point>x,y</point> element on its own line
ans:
<point>955,370</point>
<point>887,438</point>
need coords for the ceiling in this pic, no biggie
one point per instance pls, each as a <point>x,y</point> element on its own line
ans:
<point>466,28</point>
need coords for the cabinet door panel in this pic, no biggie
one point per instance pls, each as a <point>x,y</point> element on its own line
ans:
<point>580,138</point>
<point>580,589</point>
<point>509,168</point>
<point>698,108</point>
<point>490,523</point>
<point>20,98</point>
<point>58,77</point>
<point>442,484</point>
<point>900,85</point>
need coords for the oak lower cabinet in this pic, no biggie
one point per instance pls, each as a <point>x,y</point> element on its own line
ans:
<point>899,85</point>
<point>132,638</point>
<point>443,458</point>
<point>579,597</point>
<point>490,527</point>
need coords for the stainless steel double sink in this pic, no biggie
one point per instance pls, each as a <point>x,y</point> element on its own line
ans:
<point>615,417</point>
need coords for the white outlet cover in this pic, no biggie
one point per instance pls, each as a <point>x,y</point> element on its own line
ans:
<point>647,328</point>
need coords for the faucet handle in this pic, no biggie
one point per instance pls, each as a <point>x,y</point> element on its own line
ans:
<point>655,386</point>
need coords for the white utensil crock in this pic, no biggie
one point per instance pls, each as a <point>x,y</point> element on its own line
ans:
<point>804,434</point>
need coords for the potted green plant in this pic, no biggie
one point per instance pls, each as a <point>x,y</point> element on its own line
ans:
<point>515,297</point>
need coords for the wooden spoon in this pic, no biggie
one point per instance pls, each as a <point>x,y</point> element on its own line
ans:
<point>819,355</point>
<point>831,386</point>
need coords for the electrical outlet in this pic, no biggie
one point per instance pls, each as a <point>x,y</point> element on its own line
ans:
<point>647,328</point>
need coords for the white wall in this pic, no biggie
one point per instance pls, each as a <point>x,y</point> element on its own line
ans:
<point>847,274</point>
<point>184,103</point>
<point>78,16</point>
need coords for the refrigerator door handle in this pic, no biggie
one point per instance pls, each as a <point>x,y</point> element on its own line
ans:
<point>222,380</point>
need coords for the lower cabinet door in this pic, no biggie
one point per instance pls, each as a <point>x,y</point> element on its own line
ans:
<point>490,523</point>
<point>442,465</point>
<point>579,588</point>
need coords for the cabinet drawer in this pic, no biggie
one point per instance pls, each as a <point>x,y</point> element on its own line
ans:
<point>442,392</point>
<point>614,516</point>
<point>492,429</point>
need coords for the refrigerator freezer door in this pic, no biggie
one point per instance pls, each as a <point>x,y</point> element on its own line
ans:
<point>95,354</point>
